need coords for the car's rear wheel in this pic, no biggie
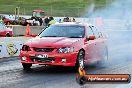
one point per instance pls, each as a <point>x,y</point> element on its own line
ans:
<point>26,66</point>
<point>8,35</point>
<point>80,60</point>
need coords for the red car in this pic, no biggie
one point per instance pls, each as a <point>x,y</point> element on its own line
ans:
<point>4,31</point>
<point>65,44</point>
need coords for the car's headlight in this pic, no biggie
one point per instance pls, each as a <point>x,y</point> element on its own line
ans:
<point>65,50</point>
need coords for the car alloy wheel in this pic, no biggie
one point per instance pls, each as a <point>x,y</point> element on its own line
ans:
<point>81,59</point>
<point>8,35</point>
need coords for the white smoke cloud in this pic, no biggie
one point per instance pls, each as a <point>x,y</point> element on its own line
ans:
<point>119,9</point>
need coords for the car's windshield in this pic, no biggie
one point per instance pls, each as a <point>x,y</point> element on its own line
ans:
<point>71,31</point>
<point>2,26</point>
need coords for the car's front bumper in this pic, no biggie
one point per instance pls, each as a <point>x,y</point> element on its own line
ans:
<point>61,59</point>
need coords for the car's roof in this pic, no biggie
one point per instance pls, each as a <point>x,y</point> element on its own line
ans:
<point>73,24</point>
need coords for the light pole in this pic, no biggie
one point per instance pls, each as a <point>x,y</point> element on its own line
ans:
<point>17,12</point>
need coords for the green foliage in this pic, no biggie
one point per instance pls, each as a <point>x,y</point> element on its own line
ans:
<point>52,7</point>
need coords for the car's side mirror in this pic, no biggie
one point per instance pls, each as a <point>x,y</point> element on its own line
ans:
<point>91,37</point>
<point>34,35</point>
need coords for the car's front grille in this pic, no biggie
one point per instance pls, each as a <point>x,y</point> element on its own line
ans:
<point>36,59</point>
<point>43,49</point>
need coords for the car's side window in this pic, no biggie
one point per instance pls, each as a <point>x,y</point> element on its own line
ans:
<point>96,32</point>
<point>100,35</point>
<point>89,32</point>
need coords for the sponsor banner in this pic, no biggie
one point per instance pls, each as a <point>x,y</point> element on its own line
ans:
<point>104,78</point>
<point>11,46</point>
<point>10,49</point>
<point>84,78</point>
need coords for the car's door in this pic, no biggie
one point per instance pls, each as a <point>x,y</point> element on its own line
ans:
<point>90,47</point>
<point>100,43</point>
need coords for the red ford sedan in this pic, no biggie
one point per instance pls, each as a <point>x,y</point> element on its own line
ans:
<point>4,31</point>
<point>65,44</point>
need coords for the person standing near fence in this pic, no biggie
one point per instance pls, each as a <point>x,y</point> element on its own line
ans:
<point>73,20</point>
<point>40,21</point>
<point>1,20</point>
<point>52,21</point>
<point>46,21</point>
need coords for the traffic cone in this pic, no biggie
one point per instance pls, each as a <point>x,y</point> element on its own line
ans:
<point>27,30</point>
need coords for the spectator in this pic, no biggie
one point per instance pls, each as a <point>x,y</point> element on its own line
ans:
<point>40,21</point>
<point>52,21</point>
<point>1,20</point>
<point>64,20</point>
<point>46,20</point>
<point>60,21</point>
<point>67,19</point>
<point>73,20</point>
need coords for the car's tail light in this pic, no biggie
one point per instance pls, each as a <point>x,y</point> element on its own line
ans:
<point>26,48</point>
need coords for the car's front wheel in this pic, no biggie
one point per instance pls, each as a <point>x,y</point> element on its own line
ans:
<point>8,35</point>
<point>26,66</point>
<point>80,60</point>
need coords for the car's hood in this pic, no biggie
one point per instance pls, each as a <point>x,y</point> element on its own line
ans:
<point>55,42</point>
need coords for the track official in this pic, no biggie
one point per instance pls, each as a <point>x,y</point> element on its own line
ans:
<point>52,21</point>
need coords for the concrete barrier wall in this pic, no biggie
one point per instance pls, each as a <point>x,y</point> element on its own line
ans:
<point>21,30</point>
